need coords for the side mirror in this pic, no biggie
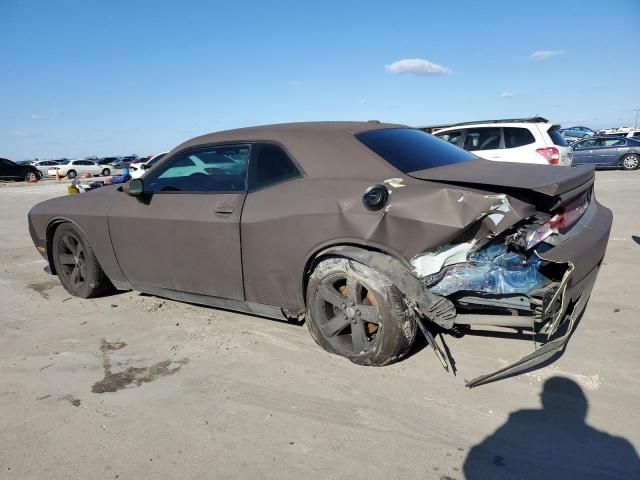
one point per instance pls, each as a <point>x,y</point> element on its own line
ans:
<point>135,187</point>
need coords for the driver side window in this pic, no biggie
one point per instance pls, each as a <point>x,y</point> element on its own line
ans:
<point>219,169</point>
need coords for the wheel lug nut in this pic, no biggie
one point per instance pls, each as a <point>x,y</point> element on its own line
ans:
<point>343,306</point>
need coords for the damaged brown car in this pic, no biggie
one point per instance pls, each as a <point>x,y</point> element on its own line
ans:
<point>370,231</point>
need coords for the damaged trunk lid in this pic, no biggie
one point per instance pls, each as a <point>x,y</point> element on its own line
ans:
<point>550,186</point>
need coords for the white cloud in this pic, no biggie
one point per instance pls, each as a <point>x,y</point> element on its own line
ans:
<point>417,66</point>
<point>544,54</point>
<point>507,95</point>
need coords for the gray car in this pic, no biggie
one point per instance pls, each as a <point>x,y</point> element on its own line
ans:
<point>606,151</point>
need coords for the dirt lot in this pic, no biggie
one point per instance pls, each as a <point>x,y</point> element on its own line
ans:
<point>131,386</point>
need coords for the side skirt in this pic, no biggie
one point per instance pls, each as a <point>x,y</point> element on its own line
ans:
<point>269,311</point>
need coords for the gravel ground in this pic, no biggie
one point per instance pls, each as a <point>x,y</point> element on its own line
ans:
<point>132,386</point>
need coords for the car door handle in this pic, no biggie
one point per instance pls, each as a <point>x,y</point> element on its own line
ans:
<point>224,210</point>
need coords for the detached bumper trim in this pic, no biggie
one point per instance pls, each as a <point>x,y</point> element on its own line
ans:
<point>553,346</point>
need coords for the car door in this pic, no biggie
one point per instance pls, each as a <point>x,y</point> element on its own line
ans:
<point>84,166</point>
<point>611,150</point>
<point>583,152</point>
<point>519,144</point>
<point>183,233</point>
<point>8,169</point>
<point>486,142</point>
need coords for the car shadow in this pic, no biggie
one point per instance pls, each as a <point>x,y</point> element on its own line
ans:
<point>553,442</point>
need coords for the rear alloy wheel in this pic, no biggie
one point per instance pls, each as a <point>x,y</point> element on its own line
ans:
<point>630,162</point>
<point>76,264</point>
<point>72,174</point>
<point>106,172</point>
<point>354,311</point>
<point>31,177</point>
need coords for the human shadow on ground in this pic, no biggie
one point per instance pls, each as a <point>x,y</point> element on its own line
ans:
<point>554,442</point>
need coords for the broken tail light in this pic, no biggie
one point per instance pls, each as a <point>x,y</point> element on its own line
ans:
<point>559,222</point>
<point>551,155</point>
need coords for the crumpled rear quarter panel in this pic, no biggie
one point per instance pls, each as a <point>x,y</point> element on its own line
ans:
<point>285,225</point>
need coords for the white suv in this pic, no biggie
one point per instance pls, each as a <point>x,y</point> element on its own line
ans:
<point>530,140</point>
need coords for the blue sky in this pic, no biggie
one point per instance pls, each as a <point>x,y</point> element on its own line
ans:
<point>117,77</point>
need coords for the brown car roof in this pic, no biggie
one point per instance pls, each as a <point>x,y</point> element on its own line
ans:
<point>323,149</point>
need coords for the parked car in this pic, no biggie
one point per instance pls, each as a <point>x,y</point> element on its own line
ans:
<point>607,151</point>
<point>529,140</point>
<point>124,162</point>
<point>129,160</point>
<point>136,170</point>
<point>577,132</point>
<point>630,134</point>
<point>109,160</point>
<point>615,131</point>
<point>80,167</point>
<point>12,171</point>
<point>368,230</point>
<point>45,165</point>
<point>105,161</point>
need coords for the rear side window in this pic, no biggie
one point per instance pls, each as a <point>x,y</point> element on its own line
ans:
<point>613,142</point>
<point>410,150</point>
<point>269,165</point>
<point>556,137</point>
<point>517,137</point>
<point>451,136</point>
<point>482,139</point>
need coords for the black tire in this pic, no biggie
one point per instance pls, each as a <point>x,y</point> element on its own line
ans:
<point>630,161</point>
<point>333,320</point>
<point>72,174</point>
<point>76,264</point>
<point>106,172</point>
<point>31,176</point>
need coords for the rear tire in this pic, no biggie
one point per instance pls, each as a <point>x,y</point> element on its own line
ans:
<point>72,174</point>
<point>76,265</point>
<point>356,312</point>
<point>106,172</point>
<point>630,161</point>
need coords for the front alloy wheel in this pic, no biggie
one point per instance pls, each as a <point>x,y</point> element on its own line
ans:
<point>76,264</point>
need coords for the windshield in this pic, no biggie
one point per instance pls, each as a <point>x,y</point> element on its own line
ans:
<point>410,150</point>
